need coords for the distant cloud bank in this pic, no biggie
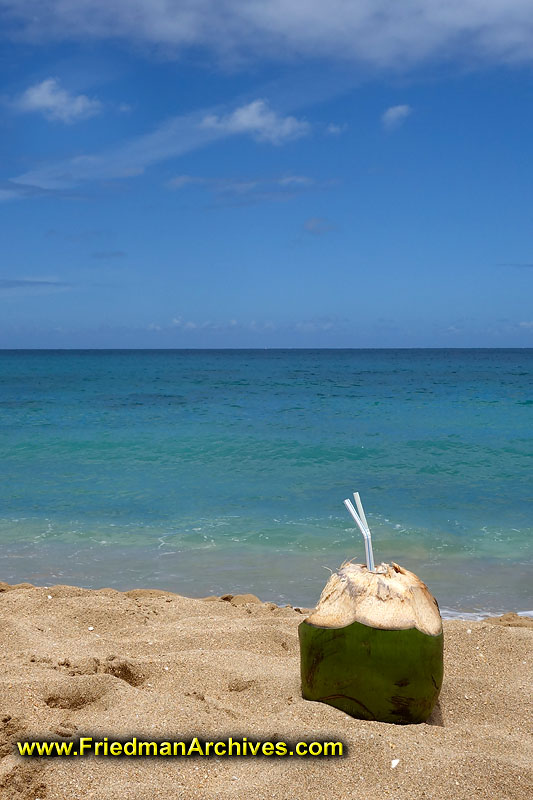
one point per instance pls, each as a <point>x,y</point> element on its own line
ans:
<point>377,32</point>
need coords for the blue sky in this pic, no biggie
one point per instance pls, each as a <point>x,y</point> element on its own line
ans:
<point>266,174</point>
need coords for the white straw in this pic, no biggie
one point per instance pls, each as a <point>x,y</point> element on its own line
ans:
<point>361,510</point>
<point>353,512</point>
<point>368,540</point>
<point>365,530</point>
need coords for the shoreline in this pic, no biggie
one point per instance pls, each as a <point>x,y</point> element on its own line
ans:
<point>479,615</point>
<point>156,665</point>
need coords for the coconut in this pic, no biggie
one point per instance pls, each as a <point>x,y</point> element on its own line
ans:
<point>373,647</point>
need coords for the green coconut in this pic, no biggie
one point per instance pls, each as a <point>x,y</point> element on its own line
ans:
<point>373,647</point>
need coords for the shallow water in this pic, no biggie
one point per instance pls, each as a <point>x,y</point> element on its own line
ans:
<point>214,471</point>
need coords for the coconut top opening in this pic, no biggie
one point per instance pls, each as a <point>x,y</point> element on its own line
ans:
<point>391,598</point>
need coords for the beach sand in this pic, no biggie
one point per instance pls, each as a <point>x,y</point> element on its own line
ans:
<point>157,665</point>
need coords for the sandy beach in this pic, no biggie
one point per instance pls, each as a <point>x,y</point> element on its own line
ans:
<point>156,665</point>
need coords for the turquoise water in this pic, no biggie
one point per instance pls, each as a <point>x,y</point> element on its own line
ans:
<point>215,471</point>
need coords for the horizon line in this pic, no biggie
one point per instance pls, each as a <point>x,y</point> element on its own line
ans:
<point>231,349</point>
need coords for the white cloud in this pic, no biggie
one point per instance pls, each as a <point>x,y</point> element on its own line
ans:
<point>9,194</point>
<point>248,191</point>
<point>317,324</point>
<point>190,325</point>
<point>56,103</point>
<point>240,185</point>
<point>184,180</point>
<point>13,191</point>
<point>395,116</point>
<point>173,138</point>
<point>528,325</point>
<point>260,121</point>
<point>335,130</point>
<point>379,32</point>
<point>295,180</point>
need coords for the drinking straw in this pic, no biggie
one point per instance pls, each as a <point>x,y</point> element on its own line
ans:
<point>361,510</point>
<point>363,527</point>
<point>362,514</point>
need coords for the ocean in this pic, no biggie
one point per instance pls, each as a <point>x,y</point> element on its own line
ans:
<point>224,471</point>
